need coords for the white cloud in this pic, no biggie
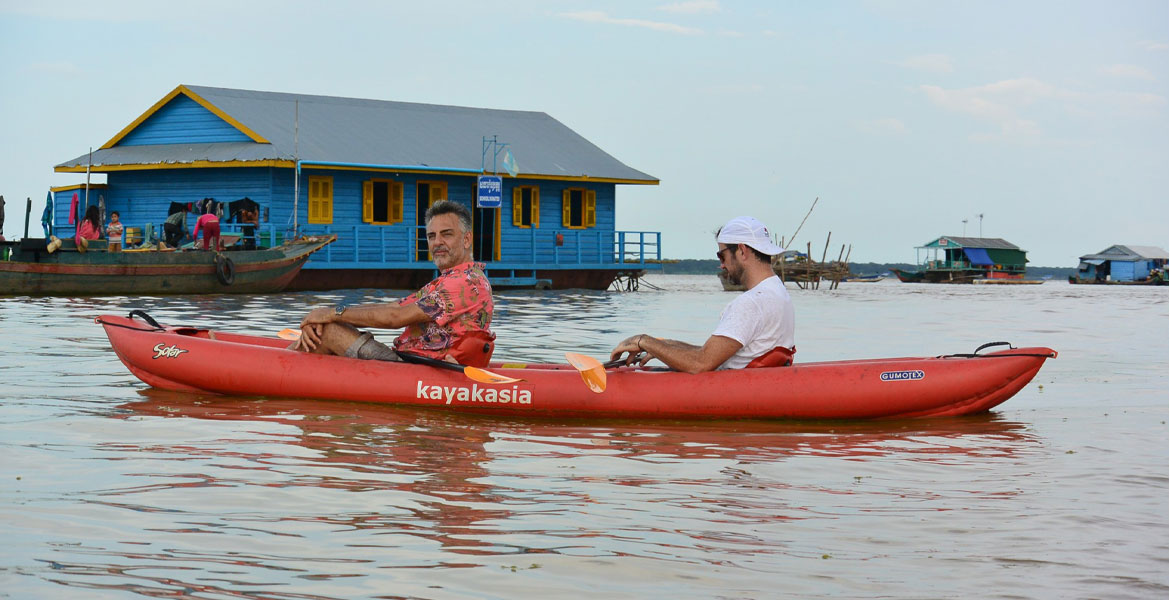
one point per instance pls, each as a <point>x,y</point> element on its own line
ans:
<point>930,63</point>
<point>1129,71</point>
<point>596,16</point>
<point>885,126</point>
<point>732,89</point>
<point>1152,45</point>
<point>1000,103</point>
<point>55,68</point>
<point>692,7</point>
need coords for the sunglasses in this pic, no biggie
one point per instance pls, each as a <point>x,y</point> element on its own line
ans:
<point>719,254</point>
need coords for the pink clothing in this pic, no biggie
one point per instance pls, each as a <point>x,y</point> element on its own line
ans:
<point>459,303</point>
<point>87,230</point>
<point>209,224</point>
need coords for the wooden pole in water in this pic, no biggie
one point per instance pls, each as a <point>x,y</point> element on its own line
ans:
<point>847,255</point>
<point>808,266</point>
<point>835,271</point>
<point>793,236</point>
<point>823,255</point>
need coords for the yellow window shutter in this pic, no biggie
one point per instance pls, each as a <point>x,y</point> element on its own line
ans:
<point>314,195</point>
<point>367,201</point>
<point>517,207</point>
<point>395,202</point>
<point>590,208</point>
<point>566,208</point>
<point>535,206</point>
<point>327,203</point>
<point>438,192</point>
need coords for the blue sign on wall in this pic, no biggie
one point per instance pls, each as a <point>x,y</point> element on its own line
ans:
<point>491,191</point>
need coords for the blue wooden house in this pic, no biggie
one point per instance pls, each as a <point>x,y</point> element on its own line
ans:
<point>1123,264</point>
<point>366,170</point>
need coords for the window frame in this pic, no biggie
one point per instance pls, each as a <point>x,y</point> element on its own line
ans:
<point>518,207</point>
<point>395,203</point>
<point>588,208</point>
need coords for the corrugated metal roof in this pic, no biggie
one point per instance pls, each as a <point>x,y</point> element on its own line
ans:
<point>379,132</point>
<point>1152,252</point>
<point>1127,253</point>
<point>973,242</point>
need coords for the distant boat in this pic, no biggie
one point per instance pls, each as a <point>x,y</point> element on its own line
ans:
<point>727,285</point>
<point>909,276</point>
<point>1004,281</point>
<point>864,278</point>
<point>28,268</point>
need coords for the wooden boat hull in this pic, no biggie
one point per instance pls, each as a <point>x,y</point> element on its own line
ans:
<point>1073,279</point>
<point>199,360</point>
<point>909,276</point>
<point>36,272</point>
<point>958,276</point>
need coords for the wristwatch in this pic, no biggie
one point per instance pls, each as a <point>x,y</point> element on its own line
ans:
<point>339,309</point>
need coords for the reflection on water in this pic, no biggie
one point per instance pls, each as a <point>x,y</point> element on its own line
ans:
<point>114,490</point>
<point>418,489</point>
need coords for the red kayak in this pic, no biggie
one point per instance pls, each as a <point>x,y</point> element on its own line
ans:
<point>200,360</point>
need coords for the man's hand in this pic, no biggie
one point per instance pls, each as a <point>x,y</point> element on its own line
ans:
<point>634,353</point>
<point>312,326</point>
<point>310,337</point>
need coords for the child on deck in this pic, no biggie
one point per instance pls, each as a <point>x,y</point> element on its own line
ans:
<point>114,232</point>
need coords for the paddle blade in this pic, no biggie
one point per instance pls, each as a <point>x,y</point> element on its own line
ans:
<point>289,334</point>
<point>592,371</point>
<point>483,376</point>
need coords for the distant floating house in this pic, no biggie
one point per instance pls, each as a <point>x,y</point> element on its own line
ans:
<point>367,170</point>
<point>1133,265</point>
<point>952,259</point>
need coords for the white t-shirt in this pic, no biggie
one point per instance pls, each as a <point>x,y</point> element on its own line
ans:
<point>760,319</point>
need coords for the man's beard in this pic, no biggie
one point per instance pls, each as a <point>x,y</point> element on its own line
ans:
<point>735,276</point>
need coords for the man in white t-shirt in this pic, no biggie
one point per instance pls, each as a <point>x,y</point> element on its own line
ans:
<point>758,322</point>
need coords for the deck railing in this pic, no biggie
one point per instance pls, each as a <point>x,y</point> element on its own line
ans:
<point>369,245</point>
<point>362,244</point>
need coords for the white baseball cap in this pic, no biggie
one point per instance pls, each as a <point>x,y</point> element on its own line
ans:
<point>747,230</point>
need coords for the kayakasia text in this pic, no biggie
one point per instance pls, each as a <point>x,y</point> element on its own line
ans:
<point>473,394</point>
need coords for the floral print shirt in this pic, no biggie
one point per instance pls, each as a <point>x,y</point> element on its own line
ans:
<point>458,301</point>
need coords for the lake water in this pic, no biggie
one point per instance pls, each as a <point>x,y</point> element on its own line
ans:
<point>113,490</point>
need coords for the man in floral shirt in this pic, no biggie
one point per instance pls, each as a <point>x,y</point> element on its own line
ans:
<point>449,318</point>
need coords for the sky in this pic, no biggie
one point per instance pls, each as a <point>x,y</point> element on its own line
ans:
<point>1041,122</point>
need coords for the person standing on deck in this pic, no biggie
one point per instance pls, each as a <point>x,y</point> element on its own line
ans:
<point>250,217</point>
<point>114,232</point>
<point>756,329</point>
<point>448,319</point>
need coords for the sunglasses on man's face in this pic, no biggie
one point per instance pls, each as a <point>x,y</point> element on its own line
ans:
<point>719,254</point>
